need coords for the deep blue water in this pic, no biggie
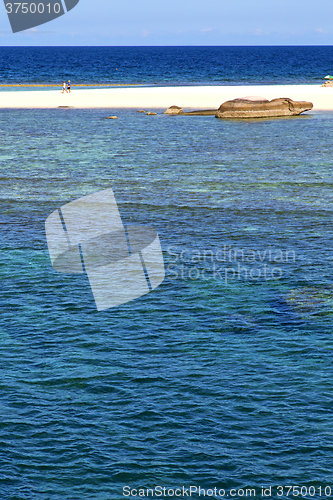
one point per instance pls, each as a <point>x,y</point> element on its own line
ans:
<point>166,65</point>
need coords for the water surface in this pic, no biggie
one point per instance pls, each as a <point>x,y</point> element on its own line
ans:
<point>206,381</point>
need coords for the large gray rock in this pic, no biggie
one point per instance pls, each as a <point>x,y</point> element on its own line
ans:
<point>262,108</point>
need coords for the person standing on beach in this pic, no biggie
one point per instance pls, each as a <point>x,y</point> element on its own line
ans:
<point>64,88</point>
<point>69,86</point>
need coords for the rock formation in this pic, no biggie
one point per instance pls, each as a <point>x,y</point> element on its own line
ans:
<point>201,112</point>
<point>251,107</point>
<point>174,110</point>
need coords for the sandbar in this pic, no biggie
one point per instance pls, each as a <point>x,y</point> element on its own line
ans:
<point>147,98</point>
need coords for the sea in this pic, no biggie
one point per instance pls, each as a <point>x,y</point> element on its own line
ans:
<point>166,65</point>
<point>218,383</point>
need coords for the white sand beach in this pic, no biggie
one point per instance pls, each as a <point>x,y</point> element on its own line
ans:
<point>192,97</point>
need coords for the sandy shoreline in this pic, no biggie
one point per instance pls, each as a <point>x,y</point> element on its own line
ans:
<point>162,97</point>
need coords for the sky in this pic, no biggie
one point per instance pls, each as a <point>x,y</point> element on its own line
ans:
<point>182,22</point>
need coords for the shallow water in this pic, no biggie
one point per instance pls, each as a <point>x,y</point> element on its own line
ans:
<point>215,379</point>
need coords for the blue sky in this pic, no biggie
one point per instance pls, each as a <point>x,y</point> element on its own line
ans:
<point>183,22</point>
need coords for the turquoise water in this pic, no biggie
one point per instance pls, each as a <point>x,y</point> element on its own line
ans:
<point>206,381</point>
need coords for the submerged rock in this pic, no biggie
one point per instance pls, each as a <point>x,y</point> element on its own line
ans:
<point>142,111</point>
<point>310,301</point>
<point>151,113</point>
<point>112,118</point>
<point>252,107</point>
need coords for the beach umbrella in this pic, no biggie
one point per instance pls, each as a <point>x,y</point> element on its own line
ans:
<point>328,77</point>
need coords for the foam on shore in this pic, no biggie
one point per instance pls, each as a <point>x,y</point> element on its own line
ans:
<point>192,97</point>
